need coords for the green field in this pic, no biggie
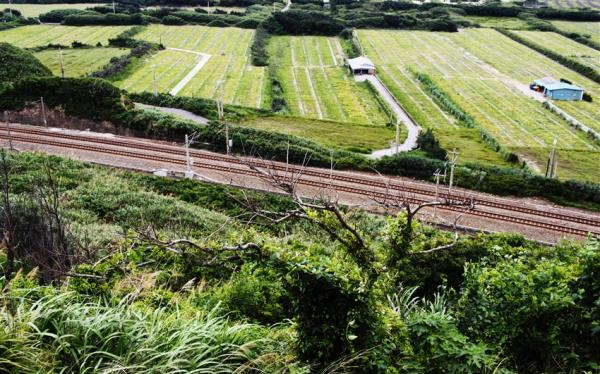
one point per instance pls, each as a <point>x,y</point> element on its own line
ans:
<point>564,46</point>
<point>34,10</point>
<point>525,65</point>
<point>317,85</point>
<point>584,28</point>
<point>40,35</point>
<point>571,4</point>
<point>492,97</point>
<point>170,67</point>
<point>227,75</point>
<point>79,62</point>
<point>512,23</point>
<point>327,133</point>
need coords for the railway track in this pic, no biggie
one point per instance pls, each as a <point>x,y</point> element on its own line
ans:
<point>479,200</point>
<point>308,182</point>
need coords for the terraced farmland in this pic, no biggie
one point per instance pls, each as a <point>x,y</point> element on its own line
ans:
<point>494,99</point>
<point>79,62</point>
<point>564,46</point>
<point>525,65</point>
<point>34,10</point>
<point>170,66</point>
<point>585,28</point>
<point>228,73</point>
<point>40,35</point>
<point>315,83</point>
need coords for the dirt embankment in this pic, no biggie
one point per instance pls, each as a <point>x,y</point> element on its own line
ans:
<point>32,115</point>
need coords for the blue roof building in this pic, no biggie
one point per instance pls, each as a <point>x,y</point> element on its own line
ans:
<point>557,90</point>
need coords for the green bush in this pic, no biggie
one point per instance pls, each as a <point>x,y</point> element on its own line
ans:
<point>18,64</point>
<point>256,293</point>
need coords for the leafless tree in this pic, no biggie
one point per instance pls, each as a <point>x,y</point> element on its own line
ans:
<point>325,211</point>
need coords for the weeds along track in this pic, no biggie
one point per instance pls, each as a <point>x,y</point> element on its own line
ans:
<point>359,184</point>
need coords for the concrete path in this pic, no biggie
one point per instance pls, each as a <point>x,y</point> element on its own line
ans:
<point>176,112</point>
<point>413,129</point>
<point>202,60</point>
<point>287,6</point>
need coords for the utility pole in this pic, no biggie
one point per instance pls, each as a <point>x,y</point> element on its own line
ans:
<point>452,160</point>
<point>552,162</point>
<point>62,66</point>
<point>189,173</point>
<point>154,79</point>
<point>113,4</point>
<point>9,8</point>
<point>44,113</point>
<point>228,142</point>
<point>10,145</point>
<point>397,135</point>
<point>437,176</point>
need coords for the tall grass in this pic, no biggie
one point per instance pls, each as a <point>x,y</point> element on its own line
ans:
<point>62,333</point>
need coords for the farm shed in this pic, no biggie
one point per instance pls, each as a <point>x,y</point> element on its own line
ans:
<point>361,65</point>
<point>557,90</point>
<point>563,91</point>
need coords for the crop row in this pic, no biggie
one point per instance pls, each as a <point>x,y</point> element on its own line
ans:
<point>315,83</point>
<point>564,46</point>
<point>525,65</point>
<point>228,74</point>
<point>582,28</point>
<point>78,62</point>
<point>40,35</point>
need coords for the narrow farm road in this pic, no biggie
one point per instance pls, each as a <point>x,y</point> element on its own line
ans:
<point>175,111</point>
<point>202,60</point>
<point>413,129</point>
<point>287,6</point>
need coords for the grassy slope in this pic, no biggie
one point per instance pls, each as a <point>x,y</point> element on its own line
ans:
<point>328,133</point>
<point>79,62</point>
<point>564,46</point>
<point>584,28</point>
<point>34,10</point>
<point>40,35</point>
<point>227,74</point>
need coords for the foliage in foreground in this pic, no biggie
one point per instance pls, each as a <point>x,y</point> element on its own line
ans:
<point>44,330</point>
<point>222,299</point>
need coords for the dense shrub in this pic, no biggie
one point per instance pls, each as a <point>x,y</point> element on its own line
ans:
<point>297,22</point>
<point>538,305</point>
<point>427,142</point>
<point>19,64</point>
<point>59,15</point>
<point>258,49</point>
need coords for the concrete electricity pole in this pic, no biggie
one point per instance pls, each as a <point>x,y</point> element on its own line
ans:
<point>62,66</point>
<point>9,8</point>
<point>189,173</point>
<point>437,176</point>
<point>453,158</point>
<point>552,162</point>
<point>43,113</point>
<point>10,145</point>
<point>113,4</point>
<point>154,79</point>
<point>398,135</point>
<point>228,142</point>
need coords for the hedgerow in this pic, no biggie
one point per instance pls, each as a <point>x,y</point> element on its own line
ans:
<point>585,70</point>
